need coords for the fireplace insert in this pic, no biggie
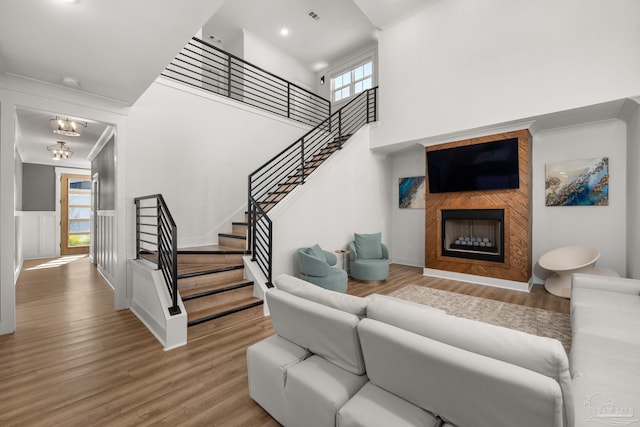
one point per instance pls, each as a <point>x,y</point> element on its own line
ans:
<point>473,234</point>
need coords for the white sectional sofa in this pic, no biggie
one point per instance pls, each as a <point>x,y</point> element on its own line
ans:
<point>340,360</point>
<point>605,350</point>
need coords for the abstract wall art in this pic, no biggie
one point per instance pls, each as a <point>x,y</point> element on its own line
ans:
<point>412,192</point>
<point>577,183</point>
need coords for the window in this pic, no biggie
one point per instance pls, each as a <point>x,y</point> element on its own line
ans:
<point>352,82</point>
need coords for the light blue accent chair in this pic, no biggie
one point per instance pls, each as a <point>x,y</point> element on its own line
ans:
<point>369,258</point>
<point>316,266</point>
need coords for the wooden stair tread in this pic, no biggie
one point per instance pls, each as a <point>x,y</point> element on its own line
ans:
<point>212,249</point>
<point>214,304</point>
<point>255,302</point>
<point>220,324</point>
<point>188,270</point>
<point>233,236</point>
<point>214,287</point>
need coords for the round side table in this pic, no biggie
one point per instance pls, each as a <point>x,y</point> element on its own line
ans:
<point>344,253</point>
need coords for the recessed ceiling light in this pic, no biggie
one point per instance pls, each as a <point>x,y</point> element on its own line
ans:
<point>284,32</point>
<point>67,1</point>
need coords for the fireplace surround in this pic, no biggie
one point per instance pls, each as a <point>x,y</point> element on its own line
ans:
<point>513,269</point>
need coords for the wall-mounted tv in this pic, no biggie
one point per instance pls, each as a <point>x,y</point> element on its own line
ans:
<point>487,166</point>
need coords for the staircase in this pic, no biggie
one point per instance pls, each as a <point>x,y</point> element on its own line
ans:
<point>288,184</point>
<point>274,180</point>
<point>212,286</point>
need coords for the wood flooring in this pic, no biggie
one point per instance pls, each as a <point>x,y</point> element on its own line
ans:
<point>75,361</point>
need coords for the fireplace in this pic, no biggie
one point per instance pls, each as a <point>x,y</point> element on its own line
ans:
<point>507,261</point>
<point>473,234</point>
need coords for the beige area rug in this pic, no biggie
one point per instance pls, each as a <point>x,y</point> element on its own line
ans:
<point>535,321</point>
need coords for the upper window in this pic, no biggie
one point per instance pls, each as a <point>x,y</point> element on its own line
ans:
<point>352,82</point>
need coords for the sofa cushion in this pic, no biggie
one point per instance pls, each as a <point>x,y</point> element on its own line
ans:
<point>267,364</point>
<point>316,389</point>
<point>608,324</point>
<point>368,246</point>
<point>605,359</point>
<point>464,388</point>
<point>326,331</point>
<point>375,407</point>
<point>595,401</point>
<point>543,355</point>
<point>347,303</point>
<point>616,301</point>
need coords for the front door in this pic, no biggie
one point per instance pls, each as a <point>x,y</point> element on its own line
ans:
<point>75,214</point>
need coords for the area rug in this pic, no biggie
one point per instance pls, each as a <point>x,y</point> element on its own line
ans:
<point>526,319</point>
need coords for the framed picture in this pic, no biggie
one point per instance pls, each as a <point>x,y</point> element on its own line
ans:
<point>411,192</point>
<point>577,183</point>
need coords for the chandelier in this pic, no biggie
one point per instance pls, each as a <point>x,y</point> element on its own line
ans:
<point>59,150</point>
<point>66,127</point>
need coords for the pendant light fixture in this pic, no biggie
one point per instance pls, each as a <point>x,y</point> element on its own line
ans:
<point>59,150</point>
<point>66,127</point>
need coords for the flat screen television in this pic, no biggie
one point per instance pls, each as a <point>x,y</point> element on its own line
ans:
<point>488,166</point>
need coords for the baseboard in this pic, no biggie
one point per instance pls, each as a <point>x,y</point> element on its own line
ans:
<point>408,261</point>
<point>147,319</point>
<point>480,280</point>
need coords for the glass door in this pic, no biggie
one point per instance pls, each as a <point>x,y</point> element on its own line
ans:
<point>75,214</point>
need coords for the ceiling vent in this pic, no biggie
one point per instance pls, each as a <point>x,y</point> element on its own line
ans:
<point>314,15</point>
<point>215,39</point>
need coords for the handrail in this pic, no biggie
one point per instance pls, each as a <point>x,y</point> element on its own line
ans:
<point>268,184</point>
<point>202,65</point>
<point>159,245</point>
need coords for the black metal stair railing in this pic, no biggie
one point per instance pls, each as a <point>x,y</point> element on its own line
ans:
<point>202,65</point>
<point>276,178</point>
<point>156,241</point>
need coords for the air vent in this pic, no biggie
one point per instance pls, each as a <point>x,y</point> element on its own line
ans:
<point>314,15</point>
<point>215,39</point>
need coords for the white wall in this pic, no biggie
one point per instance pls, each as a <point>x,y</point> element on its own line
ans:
<point>407,225</point>
<point>460,65</point>
<point>268,57</point>
<point>633,190</point>
<point>39,234</point>
<point>603,227</point>
<point>348,193</point>
<point>198,150</point>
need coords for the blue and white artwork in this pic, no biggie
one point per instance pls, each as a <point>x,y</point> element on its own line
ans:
<point>412,192</point>
<point>578,183</point>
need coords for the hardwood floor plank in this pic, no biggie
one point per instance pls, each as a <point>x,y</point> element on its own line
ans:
<point>75,361</point>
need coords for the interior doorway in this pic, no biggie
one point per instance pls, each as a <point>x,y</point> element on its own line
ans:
<point>75,214</point>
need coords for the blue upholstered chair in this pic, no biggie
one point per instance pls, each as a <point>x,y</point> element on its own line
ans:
<point>316,267</point>
<point>369,258</point>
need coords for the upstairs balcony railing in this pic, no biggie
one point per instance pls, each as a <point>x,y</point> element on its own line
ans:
<point>207,67</point>
<point>275,179</point>
<point>156,241</point>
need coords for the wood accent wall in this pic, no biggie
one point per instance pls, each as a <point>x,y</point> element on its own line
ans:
<point>517,211</point>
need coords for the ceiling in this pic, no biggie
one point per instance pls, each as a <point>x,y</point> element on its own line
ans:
<point>35,134</point>
<point>341,26</point>
<point>115,49</point>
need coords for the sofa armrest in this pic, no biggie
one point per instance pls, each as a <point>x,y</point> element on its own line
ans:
<point>385,251</point>
<point>606,283</point>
